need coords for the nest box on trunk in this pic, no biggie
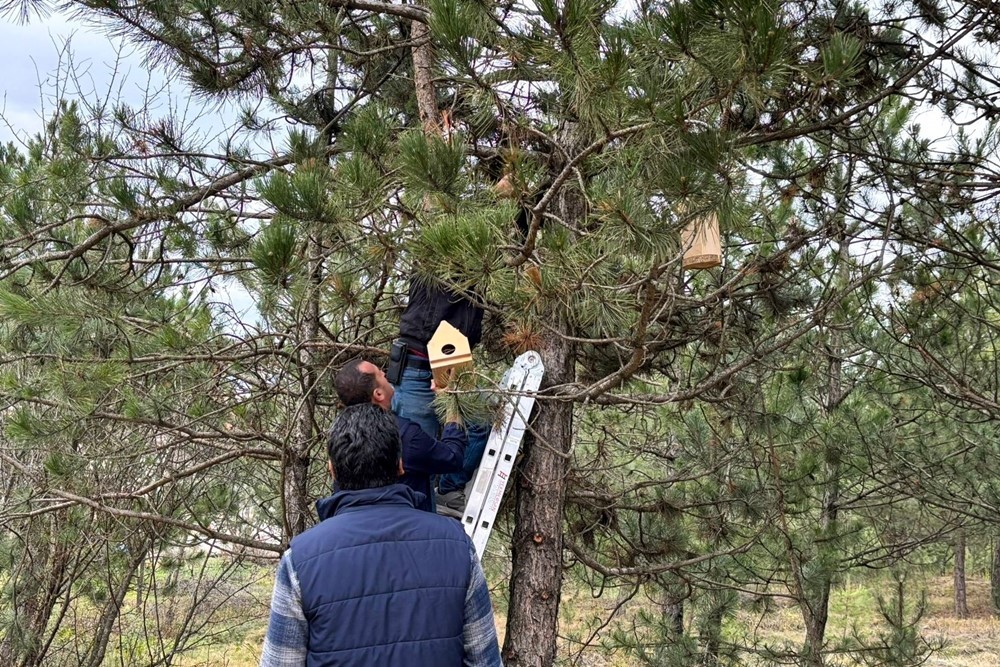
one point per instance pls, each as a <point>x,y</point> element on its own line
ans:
<point>701,243</point>
<point>448,350</point>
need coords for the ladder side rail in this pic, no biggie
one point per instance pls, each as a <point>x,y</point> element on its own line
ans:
<point>485,521</point>
<point>487,466</point>
<point>478,520</point>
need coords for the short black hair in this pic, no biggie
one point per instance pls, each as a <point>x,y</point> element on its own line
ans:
<point>353,386</point>
<point>364,448</point>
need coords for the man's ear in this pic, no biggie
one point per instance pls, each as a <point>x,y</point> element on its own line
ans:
<point>329,466</point>
<point>401,471</point>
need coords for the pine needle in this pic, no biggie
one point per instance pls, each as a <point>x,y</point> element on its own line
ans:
<point>461,401</point>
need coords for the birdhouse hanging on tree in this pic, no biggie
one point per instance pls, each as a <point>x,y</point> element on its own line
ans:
<point>448,351</point>
<point>701,242</point>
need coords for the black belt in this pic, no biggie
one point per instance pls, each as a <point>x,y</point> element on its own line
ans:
<point>417,362</point>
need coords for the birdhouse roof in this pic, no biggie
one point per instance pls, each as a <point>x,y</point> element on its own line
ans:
<point>448,347</point>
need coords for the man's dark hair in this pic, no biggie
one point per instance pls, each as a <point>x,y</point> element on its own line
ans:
<point>364,448</point>
<point>354,387</point>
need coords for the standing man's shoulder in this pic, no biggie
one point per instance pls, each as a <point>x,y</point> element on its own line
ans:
<point>306,543</point>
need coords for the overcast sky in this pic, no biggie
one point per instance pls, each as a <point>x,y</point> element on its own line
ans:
<point>34,61</point>
<point>33,55</point>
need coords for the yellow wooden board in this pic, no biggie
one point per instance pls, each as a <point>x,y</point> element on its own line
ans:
<point>448,350</point>
<point>701,242</point>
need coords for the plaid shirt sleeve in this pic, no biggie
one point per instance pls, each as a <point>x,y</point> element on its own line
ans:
<point>480,632</point>
<point>287,634</point>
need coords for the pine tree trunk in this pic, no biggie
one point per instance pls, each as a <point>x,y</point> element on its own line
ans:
<point>38,586</point>
<point>536,579</point>
<point>995,578</point>
<point>712,636</point>
<point>423,84</point>
<point>817,607</point>
<point>673,616</point>
<point>298,510</point>
<point>113,607</point>
<point>812,652</point>
<point>961,603</point>
<point>423,78</point>
<point>296,494</point>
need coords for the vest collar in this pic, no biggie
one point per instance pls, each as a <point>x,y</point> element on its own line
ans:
<point>348,501</point>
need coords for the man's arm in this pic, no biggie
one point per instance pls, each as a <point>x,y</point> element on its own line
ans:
<point>287,637</point>
<point>480,632</point>
<point>424,455</point>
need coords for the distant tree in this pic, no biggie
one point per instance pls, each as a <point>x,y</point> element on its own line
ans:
<point>122,432</point>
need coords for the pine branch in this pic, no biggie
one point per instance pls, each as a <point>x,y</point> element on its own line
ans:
<point>894,88</point>
<point>148,516</point>
<point>166,213</point>
<point>538,211</point>
<point>412,12</point>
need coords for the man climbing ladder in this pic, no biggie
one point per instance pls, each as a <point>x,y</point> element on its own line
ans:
<point>409,371</point>
<point>490,452</point>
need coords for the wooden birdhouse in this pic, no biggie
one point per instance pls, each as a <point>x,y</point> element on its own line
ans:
<point>448,350</point>
<point>701,243</point>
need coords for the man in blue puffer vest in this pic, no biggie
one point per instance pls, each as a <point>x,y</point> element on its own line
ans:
<point>377,581</point>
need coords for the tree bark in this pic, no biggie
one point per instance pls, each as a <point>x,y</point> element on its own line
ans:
<point>423,78</point>
<point>818,612</point>
<point>673,615</point>
<point>113,606</point>
<point>298,508</point>
<point>995,579</point>
<point>34,591</point>
<point>816,608</point>
<point>423,75</point>
<point>536,578</point>
<point>961,602</point>
<point>711,636</point>
<point>297,455</point>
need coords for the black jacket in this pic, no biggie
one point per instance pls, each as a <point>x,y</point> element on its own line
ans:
<point>424,456</point>
<point>429,305</point>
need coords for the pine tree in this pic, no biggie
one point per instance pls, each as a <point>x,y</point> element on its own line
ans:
<point>121,435</point>
<point>552,162</point>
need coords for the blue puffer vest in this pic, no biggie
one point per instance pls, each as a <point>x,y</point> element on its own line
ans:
<point>383,583</point>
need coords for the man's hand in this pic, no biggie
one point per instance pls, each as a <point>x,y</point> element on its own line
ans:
<point>452,417</point>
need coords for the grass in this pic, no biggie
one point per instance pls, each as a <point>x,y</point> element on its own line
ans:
<point>854,614</point>
<point>973,642</point>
